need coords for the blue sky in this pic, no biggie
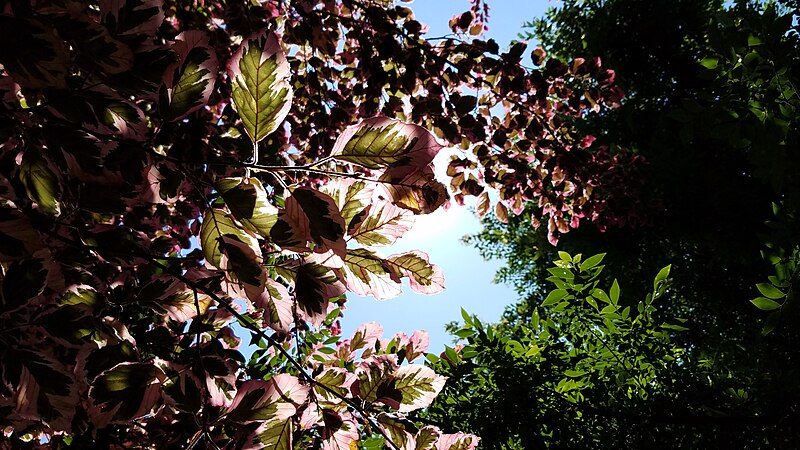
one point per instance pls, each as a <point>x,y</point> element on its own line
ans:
<point>468,277</point>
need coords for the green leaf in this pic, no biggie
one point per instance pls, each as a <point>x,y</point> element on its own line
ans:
<point>565,256</point>
<point>261,92</point>
<point>272,435</point>
<point>770,291</point>
<point>592,261</point>
<point>614,292</point>
<point>710,62</point>
<point>41,183</point>
<point>773,319</point>
<point>765,304</point>
<point>661,276</point>
<point>554,297</point>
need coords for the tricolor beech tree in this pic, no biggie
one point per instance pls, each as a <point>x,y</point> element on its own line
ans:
<point>171,168</point>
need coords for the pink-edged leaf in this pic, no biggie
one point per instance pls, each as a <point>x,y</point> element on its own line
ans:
<point>365,336</point>
<point>125,392</point>
<point>249,203</point>
<point>189,82</point>
<point>417,191</point>
<point>40,59</point>
<point>216,224</point>
<point>382,142</point>
<point>365,274</point>
<point>261,92</point>
<point>315,285</point>
<point>310,216</point>
<point>383,224</point>
<point>418,384</point>
<point>417,345</point>
<point>501,212</point>
<point>483,204</point>
<point>220,380</point>
<point>271,435</point>
<point>333,381</point>
<point>275,399</point>
<point>39,383</point>
<point>132,17</point>
<point>340,431</point>
<point>374,374</point>
<point>427,437</point>
<point>354,199</point>
<point>397,430</point>
<point>277,305</point>
<point>423,277</point>
<point>457,441</point>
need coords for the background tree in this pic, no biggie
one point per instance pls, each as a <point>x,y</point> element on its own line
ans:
<point>172,169</point>
<point>711,109</point>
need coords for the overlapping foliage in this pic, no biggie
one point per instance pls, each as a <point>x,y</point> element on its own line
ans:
<point>171,169</point>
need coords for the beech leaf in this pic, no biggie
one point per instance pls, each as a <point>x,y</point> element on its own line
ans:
<point>275,399</point>
<point>188,82</point>
<point>310,216</point>
<point>127,391</point>
<point>418,384</point>
<point>423,277</point>
<point>417,191</point>
<point>365,274</point>
<point>261,92</point>
<point>41,183</point>
<point>271,435</point>
<point>248,201</point>
<point>383,224</point>
<point>315,285</point>
<point>217,224</point>
<point>277,305</point>
<point>42,61</point>
<point>382,142</point>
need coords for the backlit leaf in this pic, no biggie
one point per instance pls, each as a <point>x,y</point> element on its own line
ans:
<point>310,216</point>
<point>216,225</point>
<point>770,291</point>
<point>271,435</point>
<point>277,305</point>
<point>261,93</point>
<point>382,142</point>
<point>127,391</point>
<point>417,191</point>
<point>315,285</point>
<point>418,384</point>
<point>382,225</point>
<point>365,274</point>
<point>276,399</point>
<point>188,83</point>
<point>423,277</point>
<point>765,304</point>
<point>248,201</point>
<point>41,183</point>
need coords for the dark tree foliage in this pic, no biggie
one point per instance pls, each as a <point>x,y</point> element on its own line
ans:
<point>713,109</point>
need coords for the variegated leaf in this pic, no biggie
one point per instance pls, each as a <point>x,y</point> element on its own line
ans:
<point>427,437</point>
<point>340,431</point>
<point>457,441</point>
<point>397,429</point>
<point>423,277</point>
<point>216,224</point>
<point>354,199</point>
<point>365,274</point>
<point>315,285</point>
<point>271,435</point>
<point>189,82</point>
<point>248,201</point>
<point>383,224</point>
<point>127,391</point>
<point>276,399</point>
<point>334,379</point>
<point>261,92</point>
<point>277,305</point>
<point>417,191</point>
<point>418,384</point>
<point>310,216</point>
<point>381,142</point>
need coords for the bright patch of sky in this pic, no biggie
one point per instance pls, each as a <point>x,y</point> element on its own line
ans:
<point>468,278</point>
